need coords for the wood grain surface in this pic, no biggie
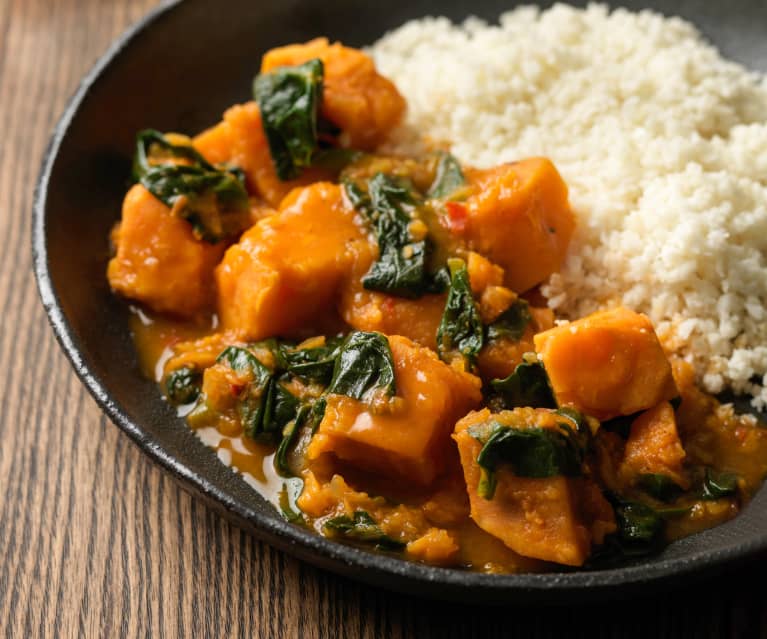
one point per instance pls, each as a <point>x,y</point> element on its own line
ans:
<point>95,541</point>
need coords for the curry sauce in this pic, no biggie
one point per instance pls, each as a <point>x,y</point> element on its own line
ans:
<point>361,337</point>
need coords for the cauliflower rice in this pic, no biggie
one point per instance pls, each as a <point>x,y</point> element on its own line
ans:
<point>662,142</point>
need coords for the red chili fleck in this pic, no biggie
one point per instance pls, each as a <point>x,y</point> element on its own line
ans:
<point>456,216</point>
<point>236,389</point>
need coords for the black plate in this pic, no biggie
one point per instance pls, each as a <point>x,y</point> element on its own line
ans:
<point>178,69</point>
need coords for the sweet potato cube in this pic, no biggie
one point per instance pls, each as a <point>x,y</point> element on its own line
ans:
<point>411,442</point>
<point>499,358</point>
<point>417,320</point>
<point>240,139</point>
<point>216,143</point>
<point>654,447</point>
<point>607,364</point>
<point>159,262</point>
<point>355,97</point>
<point>519,217</point>
<point>552,518</point>
<point>283,275</point>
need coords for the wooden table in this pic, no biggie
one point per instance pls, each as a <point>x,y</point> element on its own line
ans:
<point>96,541</point>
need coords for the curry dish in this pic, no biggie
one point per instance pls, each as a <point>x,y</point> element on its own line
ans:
<point>361,336</point>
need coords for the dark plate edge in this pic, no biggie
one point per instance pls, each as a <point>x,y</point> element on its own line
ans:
<point>379,570</point>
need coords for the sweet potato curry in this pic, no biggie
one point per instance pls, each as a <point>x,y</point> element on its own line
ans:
<point>361,336</point>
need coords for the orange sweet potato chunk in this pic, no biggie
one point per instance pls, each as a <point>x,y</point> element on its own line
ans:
<point>240,139</point>
<point>412,441</point>
<point>499,358</point>
<point>654,447</point>
<point>519,217</point>
<point>355,97</point>
<point>283,276</point>
<point>417,320</point>
<point>215,144</point>
<point>159,262</point>
<point>553,519</point>
<point>607,364</point>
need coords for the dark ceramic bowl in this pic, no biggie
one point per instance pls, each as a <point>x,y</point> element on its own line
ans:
<point>178,69</point>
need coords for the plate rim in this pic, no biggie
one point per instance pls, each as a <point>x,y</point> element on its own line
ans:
<point>374,568</point>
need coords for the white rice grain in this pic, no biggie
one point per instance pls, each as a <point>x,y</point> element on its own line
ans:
<point>662,142</point>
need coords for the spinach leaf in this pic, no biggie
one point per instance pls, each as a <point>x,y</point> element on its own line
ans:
<point>183,385</point>
<point>363,528</point>
<point>718,484</point>
<point>317,413</point>
<point>254,399</point>
<point>528,385</point>
<point>265,406</point>
<point>153,150</point>
<point>401,268</point>
<point>313,363</point>
<point>214,201</point>
<point>512,323</point>
<point>449,177</point>
<point>460,331</point>
<point>640,531</point>
<point>662,487</point>
<point>640,527</point>
<point>289,99</point>
<point>364,367</point>
<point>529,452</point>
<point>281,407</point>
<point>291,489</point>
<point>289,434</point>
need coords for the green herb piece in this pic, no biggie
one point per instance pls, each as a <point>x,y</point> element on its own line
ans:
<point>401,268</point>
<point>528,385</point>
<point>183,385</point>
<point>529,452</point>
<point>449,177</point>
<point>214,201</point>
<point>364,367</point>
<point>361,527</point>
<point>289,99</point>
<point>662,487</point>
<point>313,363</point>
<point>718,484</point>
<point>460,331</point>
<point>512,323</point>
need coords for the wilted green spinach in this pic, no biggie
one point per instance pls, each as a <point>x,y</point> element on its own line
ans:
<point>460,331</point>
<point>213,200</point>
<point>361,527</point>
<point>529,452</point>
<point>289,100</point>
